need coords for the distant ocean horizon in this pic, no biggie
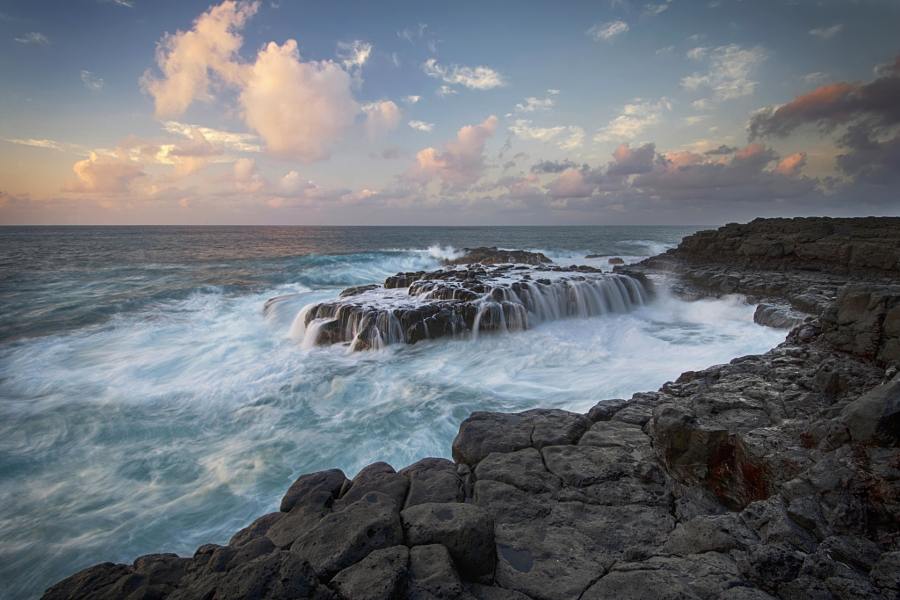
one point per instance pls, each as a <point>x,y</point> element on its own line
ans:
<point>147,403</point>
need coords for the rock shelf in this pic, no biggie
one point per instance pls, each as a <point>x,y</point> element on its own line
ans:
<point>773,476</point>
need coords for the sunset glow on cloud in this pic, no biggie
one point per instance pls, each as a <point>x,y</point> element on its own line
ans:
<point>252,112</point>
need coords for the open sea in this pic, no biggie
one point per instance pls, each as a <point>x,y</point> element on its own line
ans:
<point>148,405</point>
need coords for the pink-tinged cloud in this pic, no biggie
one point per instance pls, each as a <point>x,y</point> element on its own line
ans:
<point>572,183</point>
<point>461,162</point>
<point>791,164</point>
<point>105,174</point>
<point>300,109</point>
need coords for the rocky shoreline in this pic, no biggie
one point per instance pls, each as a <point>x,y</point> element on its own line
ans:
<point>773,476</point>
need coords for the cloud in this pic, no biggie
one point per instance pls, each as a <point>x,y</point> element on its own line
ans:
<point>791,164</point>
<point>817,78</point>
<point>445,90</point>
<point>533,104</point>
<point>105,174</point>
<point>572,183</point>
<point>721,150</point>
<point>730,70</point>
<point>461,161</point>
<point>606,32</point>
<point>187,58</point>
<point>635,118</point>
<point>44,143</point>
<point>246,176</point>
<point>228,140</point>
<point>567,137</point>
<point>475,78</point>
<point>826,33</point>
<point>123,3</point>
<point>299,108</point>
<point>653,10</point>
<point>411,34</point>
<point>381,117</point>
<point>33,38</point>
<point>835,104</point>
<point>631,161</point>
<point>91,81</point>
<point>412,99</point>
<point>421,126</point>
<point>353,55</point>
<point>552,166</point>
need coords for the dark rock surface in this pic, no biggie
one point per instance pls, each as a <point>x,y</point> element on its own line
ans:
<point>772,476</point>
<point>494,256</point>
<point>416,306</point>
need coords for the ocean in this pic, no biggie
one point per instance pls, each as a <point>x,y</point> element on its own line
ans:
<point>147,404</point>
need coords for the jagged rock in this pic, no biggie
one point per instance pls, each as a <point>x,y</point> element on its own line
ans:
<point>466,530</point>
<point>493,256</point>
<point>710,533</point>
<point>876,414</point>
<point>379,576</point>
<point>344,538</point>
<point>306,512</point>
<point>433,480</point>
<point>411,307</point>
<point>779,317</point>
<point>330,481</point>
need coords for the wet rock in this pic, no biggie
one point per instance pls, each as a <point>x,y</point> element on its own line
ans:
<point>615,260</point>
<point>483,433</point>
<point>304,515</point>
<point>100,581</point>
<point>433,480</point>
<point>330,481</point>
<point>779,317</point>
<point>493,256</point>
<point>714,533</point>
<point>344,538</point>
<point>379,576</point>
<point>466,530</point>
<point>277,576</point>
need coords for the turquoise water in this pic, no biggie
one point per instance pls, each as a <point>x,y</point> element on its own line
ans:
<point>147,404</point>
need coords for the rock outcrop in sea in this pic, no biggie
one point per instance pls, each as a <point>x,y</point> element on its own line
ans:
<point>491,291</point>
<point>773,476</point>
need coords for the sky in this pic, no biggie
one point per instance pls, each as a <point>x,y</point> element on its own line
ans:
<point>458,113</point>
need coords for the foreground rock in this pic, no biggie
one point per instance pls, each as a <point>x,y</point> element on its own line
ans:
<point>416,306</point>
<point>773,476</point>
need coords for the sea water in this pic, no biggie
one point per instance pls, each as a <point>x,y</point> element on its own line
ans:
<point>147,403</point>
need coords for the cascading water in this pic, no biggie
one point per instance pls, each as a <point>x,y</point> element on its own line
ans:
<point>503,301</point>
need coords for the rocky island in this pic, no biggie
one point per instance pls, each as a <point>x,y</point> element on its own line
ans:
<point>773,476</point>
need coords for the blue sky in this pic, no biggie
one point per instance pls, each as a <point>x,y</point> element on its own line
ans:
<point>426,113</point>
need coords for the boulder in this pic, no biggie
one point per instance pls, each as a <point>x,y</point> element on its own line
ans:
<point>433,480</point>
<point>466,530</point>
<point>344,538</point>
<point>330,481</point>
<point>379,576</point>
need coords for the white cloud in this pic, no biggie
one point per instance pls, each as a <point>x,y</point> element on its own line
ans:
<point>730,69</point>
<point>567,137</point>
<point>381,117</point>
<point>475,78</point>
<point>354,55</point>
<point>298,108</point>
<point>228,140</point>
<point>652,10</point>
<point>412,99</point>
<point>445,90</point>
<point>817,78</point>
<point>186,58</point>
<point>40,143</point>
<point>246,176</point>
<point>608,31</point>
<point>125,3</point>
<point>697,53</point>
<point>33,38</point>
<point>826,33</point>
<point>532,104</point>
<point>91,81</point>
<point>635,118</point>
<point>421,126</point>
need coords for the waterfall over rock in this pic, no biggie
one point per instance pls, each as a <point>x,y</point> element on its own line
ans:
<point>468,301</point>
